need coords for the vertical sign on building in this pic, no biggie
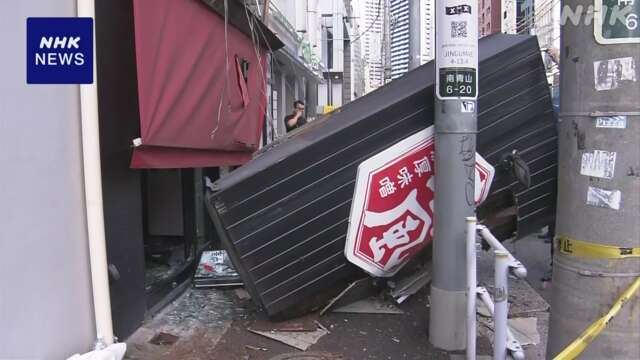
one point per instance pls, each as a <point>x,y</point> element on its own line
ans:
<point>456,50</point>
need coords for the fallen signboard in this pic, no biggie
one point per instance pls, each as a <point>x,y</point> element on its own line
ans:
<point>392,210</point>
<point>283,217</point>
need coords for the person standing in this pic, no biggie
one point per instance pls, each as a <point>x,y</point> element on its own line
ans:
<point>296,119</point>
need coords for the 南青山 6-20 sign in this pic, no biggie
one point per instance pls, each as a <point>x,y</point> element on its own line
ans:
<point>392,210</point>
<point>616,21</point>
<point>457,50</point>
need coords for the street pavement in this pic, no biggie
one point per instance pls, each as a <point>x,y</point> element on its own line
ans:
<point>214,324</point>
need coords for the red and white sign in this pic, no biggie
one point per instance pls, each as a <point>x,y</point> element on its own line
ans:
<point>392,210</point>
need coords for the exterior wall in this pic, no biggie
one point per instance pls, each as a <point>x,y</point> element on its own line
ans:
<point>489,17</point>
<point>121,185</point>
<point>525,16</point>
<point>547,23</point>
<point>373,15</point>
<point>427,29</point>
<point>297,23</point>
<point>399,24</point>
<point>46,309</point>
<point>347,84</point>
<point>509,13</point>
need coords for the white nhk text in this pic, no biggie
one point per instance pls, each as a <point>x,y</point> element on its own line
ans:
<point>48,58</point>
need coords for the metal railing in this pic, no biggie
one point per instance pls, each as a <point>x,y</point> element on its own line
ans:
<point>504,342</point>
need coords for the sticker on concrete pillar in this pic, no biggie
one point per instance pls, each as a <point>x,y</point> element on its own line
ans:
<point>598,163</point>
<point>608,199</point>
<point>613,73</point>
<point>468,106</point>
<point>611,122</point>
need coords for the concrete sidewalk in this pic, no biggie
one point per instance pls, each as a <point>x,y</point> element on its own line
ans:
<point>214,324</point>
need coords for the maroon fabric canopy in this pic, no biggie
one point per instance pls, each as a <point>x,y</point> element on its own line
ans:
<point>201,93</point>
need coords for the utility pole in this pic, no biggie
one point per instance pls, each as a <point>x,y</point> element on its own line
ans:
<point>414,34</point>
<point>598,181</point>
<point>455,148</point>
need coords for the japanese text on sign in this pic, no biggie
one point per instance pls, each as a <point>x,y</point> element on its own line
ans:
<point>456,51</point>
<point>392,210</point>
<point>616,21</point>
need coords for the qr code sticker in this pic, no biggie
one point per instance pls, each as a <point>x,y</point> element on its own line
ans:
<point>458,29</point>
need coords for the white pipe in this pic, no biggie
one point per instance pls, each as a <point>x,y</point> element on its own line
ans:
<point>93,196</point>
<point>513,346</point>
<point>501,307</point>
<point>472,284</point>
<point>516,266</point>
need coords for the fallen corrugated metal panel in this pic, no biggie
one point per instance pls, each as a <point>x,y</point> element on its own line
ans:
<point>283,216</point>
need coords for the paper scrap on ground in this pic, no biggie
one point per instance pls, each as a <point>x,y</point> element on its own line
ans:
<point>525,330</point>
<point>242,294</point>
<point>306,323</point>
<point>299,340</point>
<point>357,290</point>
<point>369,306</point>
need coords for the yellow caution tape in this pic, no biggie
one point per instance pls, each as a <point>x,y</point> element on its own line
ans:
<point>586,249</point>
<point>578,345</point>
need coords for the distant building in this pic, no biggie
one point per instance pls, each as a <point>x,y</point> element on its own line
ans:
<point>354,76</point>
<point>547,23</point>
<point>371,13</point>
<point>399,34</point>
<point>489,17</point>
<point>524,16</point>
<point>547,29</point>
<point>509,16</point>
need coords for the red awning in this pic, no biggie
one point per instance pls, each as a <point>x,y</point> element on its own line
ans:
<point>201,94</point>
<point>158,157</point>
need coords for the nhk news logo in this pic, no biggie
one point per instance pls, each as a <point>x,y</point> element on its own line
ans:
<point>59,50</point>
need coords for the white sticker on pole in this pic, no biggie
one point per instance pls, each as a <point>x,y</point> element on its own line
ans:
<point>599,163</point>
<point>608,199</point>
<point>611,122</point>
<point>457,50</point>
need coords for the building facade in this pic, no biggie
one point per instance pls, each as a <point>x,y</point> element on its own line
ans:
<point>371,31</point>
<point>295,71</point>
<point>46,306</point>
<point>509,16</point>
<point>489,17</point>
<point>399,34</point>
<point>525,16</point>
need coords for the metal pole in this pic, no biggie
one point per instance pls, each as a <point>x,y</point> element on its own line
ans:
<point>472,285</point>
<point>598,181</point>
<point>455,148</point>
<point>513,346</point>
<point>414,34</point>
<point>515,266</point>
<point>501,304</point>
<point>265,13</point>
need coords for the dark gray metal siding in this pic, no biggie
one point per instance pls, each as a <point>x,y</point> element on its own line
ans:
<point>284,216</point>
